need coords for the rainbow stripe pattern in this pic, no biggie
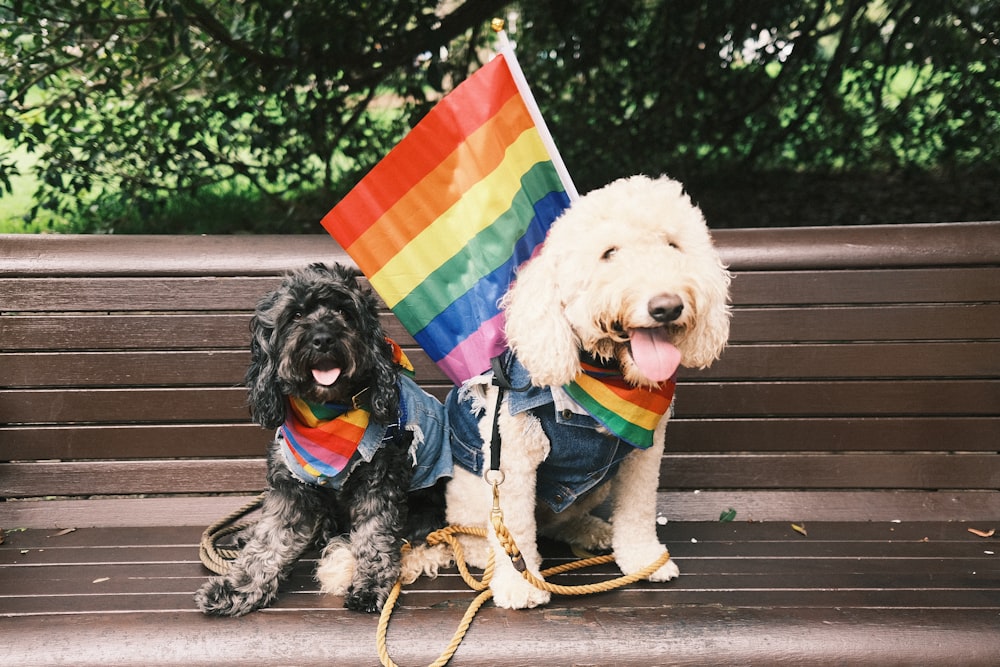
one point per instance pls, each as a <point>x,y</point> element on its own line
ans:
<point>323,437</point>
<point>441,224</point>
<point>629,412</point>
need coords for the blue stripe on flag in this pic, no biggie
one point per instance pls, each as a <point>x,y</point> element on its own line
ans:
<point>479,304</point>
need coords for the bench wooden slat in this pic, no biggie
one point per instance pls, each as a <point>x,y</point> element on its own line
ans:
<point>39,478</point>
<point>835,248</point>
<point>979,359</point>
<point>699,399</point>
<point>142,368</point>
<point>684,435</point>
<point>681,506</point>
<point>900,470</point>
<point>69,255</point>
<point>117,332</point>
<point>954,244</point>
<point>839,398</point>
<point>865,323</point>
<point>847,287</point>
<point>163,331</point>
<point>688,435</point>
<point>764,362</point>
<point>126,441</point>
<point>817,434</point>
<point>952,285</point>
<point>132,294</point>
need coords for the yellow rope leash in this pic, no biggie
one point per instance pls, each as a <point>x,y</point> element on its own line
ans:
<point>447,535</point>
<point>218,559</point>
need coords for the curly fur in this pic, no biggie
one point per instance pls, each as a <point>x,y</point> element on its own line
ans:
<point>321,317</point>
<point>606,265</point>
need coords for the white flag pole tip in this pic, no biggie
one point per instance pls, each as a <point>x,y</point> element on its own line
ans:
<point>522,84</point>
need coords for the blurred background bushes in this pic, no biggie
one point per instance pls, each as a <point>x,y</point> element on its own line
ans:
<point>189,116</point>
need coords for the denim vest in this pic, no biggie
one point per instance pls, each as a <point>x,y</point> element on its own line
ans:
<point>581,456</point>
<point>420,413</point>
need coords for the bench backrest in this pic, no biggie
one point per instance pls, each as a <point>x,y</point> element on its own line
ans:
<point>862,378</point>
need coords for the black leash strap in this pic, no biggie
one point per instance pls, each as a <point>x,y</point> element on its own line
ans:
<point>501,379</point>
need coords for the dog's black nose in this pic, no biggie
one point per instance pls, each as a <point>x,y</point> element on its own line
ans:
<point>665,308</point>
<point>322,340</point>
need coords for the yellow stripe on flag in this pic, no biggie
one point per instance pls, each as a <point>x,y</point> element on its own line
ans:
<point>478,208</point>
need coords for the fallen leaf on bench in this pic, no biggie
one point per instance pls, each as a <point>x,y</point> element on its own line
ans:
<point>727,515</point>
<point>983,533</point>
<point>800,528</point>
<point>100,580</point>
<point>64,531</point>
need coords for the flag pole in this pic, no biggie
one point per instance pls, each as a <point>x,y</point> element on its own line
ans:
<point>507,51</point>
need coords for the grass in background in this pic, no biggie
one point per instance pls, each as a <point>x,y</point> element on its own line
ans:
<point>15,207</point>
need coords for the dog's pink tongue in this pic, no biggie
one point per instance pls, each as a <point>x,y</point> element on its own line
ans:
<point>326,378</point>
<point>656,357</point>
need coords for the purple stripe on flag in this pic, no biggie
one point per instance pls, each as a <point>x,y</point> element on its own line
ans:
<point>475,351</point>
<point>452,326</point>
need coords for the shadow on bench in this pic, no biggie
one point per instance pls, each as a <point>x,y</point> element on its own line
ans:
<point>859,399</point>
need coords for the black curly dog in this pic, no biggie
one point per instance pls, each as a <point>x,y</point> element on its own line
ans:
<point>322,318</point>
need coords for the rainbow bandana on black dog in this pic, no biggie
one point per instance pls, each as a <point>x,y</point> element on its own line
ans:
<point>324,437</point>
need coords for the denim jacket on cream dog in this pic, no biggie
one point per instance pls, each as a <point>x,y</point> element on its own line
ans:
<point>580,457</point>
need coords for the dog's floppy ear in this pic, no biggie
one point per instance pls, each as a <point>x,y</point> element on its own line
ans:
<point>384,388</point>
<point>267,403</point>
<point>706,338</point>
<point>537,331</point>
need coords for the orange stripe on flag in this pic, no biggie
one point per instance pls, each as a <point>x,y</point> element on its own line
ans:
<point>457,116</point>
<point>473,160</point>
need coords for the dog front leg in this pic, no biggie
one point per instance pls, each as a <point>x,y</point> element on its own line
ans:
<point>525,446</point>
<point>633,513</point>
<point>375,494</point>
<point>288,521</point>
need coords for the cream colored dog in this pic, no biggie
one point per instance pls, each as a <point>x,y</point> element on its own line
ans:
<point>628,278</point>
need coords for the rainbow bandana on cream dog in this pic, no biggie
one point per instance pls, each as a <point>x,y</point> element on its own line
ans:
<point>628,412</point>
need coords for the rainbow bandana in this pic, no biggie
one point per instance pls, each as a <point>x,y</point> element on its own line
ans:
<point>323,437</point>
<point>630,413</point>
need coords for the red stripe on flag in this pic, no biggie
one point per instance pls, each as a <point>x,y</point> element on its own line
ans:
<point>472,161</point>
<point>446,126</point>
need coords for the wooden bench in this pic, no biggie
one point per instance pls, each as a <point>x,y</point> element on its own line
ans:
<point>859,400</point>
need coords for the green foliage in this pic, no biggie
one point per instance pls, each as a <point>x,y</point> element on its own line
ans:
<point>140,113</point>
<point>128,104</point>
<point>700,87</point>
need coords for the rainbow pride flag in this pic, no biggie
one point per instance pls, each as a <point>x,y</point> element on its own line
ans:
<point>441,224</point>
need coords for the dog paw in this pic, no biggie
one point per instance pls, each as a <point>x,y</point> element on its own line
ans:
<point>631,561</point>
<point>335,571</point>
<point>368,600</point>
<point>591,533</point>
<point>221,597</point>
<point>424,560</point>
<point>511,591</point>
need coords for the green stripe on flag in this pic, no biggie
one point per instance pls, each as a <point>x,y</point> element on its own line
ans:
<point>486,251</point>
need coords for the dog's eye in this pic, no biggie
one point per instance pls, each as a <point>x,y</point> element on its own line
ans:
<point>609,253</point>
<point>297,315</point>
